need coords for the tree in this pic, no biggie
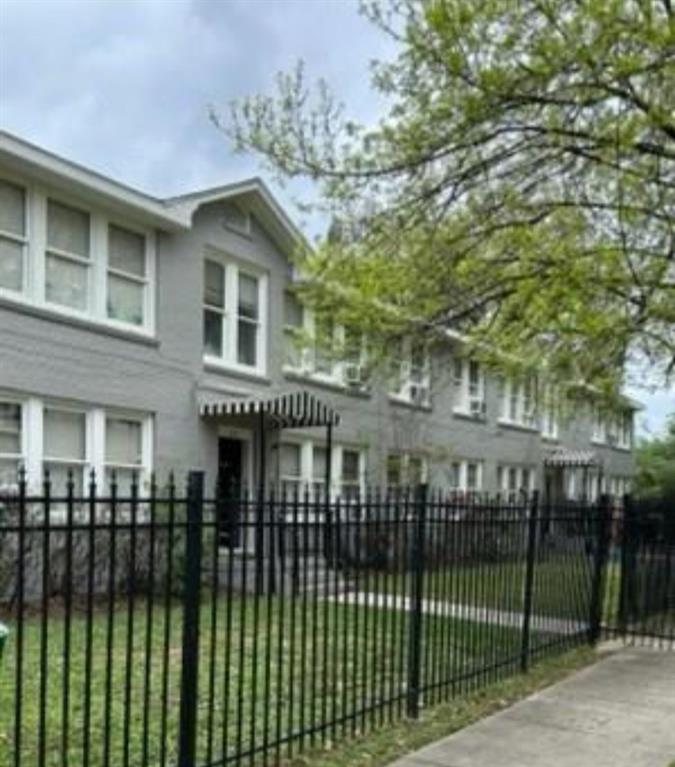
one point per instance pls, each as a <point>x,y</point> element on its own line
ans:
<point>655,458</point>
<point>519,190</point>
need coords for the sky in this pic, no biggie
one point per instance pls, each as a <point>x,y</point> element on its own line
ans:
<point>124,87</point>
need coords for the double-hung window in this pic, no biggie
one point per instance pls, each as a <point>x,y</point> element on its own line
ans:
<point>290,469</point>
<point>350,481</point>
<point>123,452</point>
<point>68,257</point>
<point>294,354</point>
<point>412,374</point>
<point>11,442</point>
<point>127,276</point>
<point>13,237</point>
<point>406,469</point>
<point>518,402</point>
<point>319,464</point>
<point>469,386</point>
<point>248,320</point>
<point>512,481</point>
<point>65,448</point>
<point>466,475</point>
<point>233,329</point>
<point>599,432</point>
<point>550,414</point>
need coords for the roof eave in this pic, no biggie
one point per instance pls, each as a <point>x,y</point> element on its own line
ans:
<point>26,158</point>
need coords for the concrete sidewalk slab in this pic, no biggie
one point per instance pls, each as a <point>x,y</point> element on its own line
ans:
<point>618,713</point>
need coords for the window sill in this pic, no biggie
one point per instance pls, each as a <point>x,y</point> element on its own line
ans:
<point>517,426</point>
<point>549,438</point>
<point>468,416</point>
<point>334,384</point>
<point>599,442</point>
<point>213,365</point>
<point>45,312</point>
<point>396,399</point>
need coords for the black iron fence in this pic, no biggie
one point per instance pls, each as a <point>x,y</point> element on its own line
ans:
<point>173,627</point>
<point>640,590</point>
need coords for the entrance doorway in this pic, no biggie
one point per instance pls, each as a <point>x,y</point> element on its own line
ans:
<point>230,485</point>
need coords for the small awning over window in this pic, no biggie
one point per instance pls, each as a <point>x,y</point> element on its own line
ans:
<point>563,456</point>
<point>285,411</point>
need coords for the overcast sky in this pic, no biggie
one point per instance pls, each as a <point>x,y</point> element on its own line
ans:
<point>123,86</point>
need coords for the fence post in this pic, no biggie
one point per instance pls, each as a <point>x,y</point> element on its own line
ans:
<point>191,599</point>
<point>416,593</point>
<point>601,551</point>
<point>528,590</point>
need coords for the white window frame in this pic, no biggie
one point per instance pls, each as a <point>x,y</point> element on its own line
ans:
<point>228,361</point>
<point>599,427</point>
<point>513,396</point>
<point>20,457</point>
<point>504,471</point>
<point>83,464</point>
<point>147,282</point>
<point>306,480</point>
<point>463,465</point>
<point>144,468</point>
<point>624,430</point>
<point>409,387</point>
<point>403,457</point>
<point>550,421</point>
<point>469,397</point>
<point>35,259</point>
<point>22,241</point>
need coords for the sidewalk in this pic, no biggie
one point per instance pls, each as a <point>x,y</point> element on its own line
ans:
<point>618,713</point>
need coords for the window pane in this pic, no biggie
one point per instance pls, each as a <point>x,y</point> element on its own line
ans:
<point>64,434</point>
<point>292,311</point>
<point>247,338</point>
<point>214,284</point>
<point>513,479</point>
<point>67,229</point>
<point>393,470</point>
<point>125,300</point>
<point>350,466</point>
<point>122,441</point>
<point>472,476</point>
<point>213,333</point>
<point>11,264</point>
<point>126,251</point>
<point>320,455</point>
<point>66,283</point>
<point>289,460</point>
<point>12,208</point>
<point>248,296</point>
<point>10,428</point>
<point>123,478</point>
<point>9,473</point>
<point>455,474</point>
<point>414,470</point>
<point>58,478</point>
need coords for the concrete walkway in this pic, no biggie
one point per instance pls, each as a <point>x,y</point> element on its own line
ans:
<point>618,713</point>
<point>476,613</point>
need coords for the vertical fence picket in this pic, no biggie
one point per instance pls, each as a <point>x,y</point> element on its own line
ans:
<point>191,614</point>
<point>528,587</point>
<point>417,566</point>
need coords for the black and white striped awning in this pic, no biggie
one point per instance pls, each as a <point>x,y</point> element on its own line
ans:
<point>563,456</point>
<point>288,411</point>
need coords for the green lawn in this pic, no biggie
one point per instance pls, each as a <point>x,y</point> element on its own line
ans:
<point>562,585</point>
<point>258,679</point>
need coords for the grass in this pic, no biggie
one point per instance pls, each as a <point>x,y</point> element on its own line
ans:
<point>380,748</point>
<point>265,673</point>
<point>561,587</point>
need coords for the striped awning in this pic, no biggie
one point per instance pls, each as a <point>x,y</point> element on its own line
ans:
<point>287,411</point>
<point>563,456</point>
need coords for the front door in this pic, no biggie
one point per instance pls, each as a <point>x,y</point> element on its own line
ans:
<point>230,480</point>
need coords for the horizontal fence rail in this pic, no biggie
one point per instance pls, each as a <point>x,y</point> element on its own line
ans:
<point>178,626</point>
